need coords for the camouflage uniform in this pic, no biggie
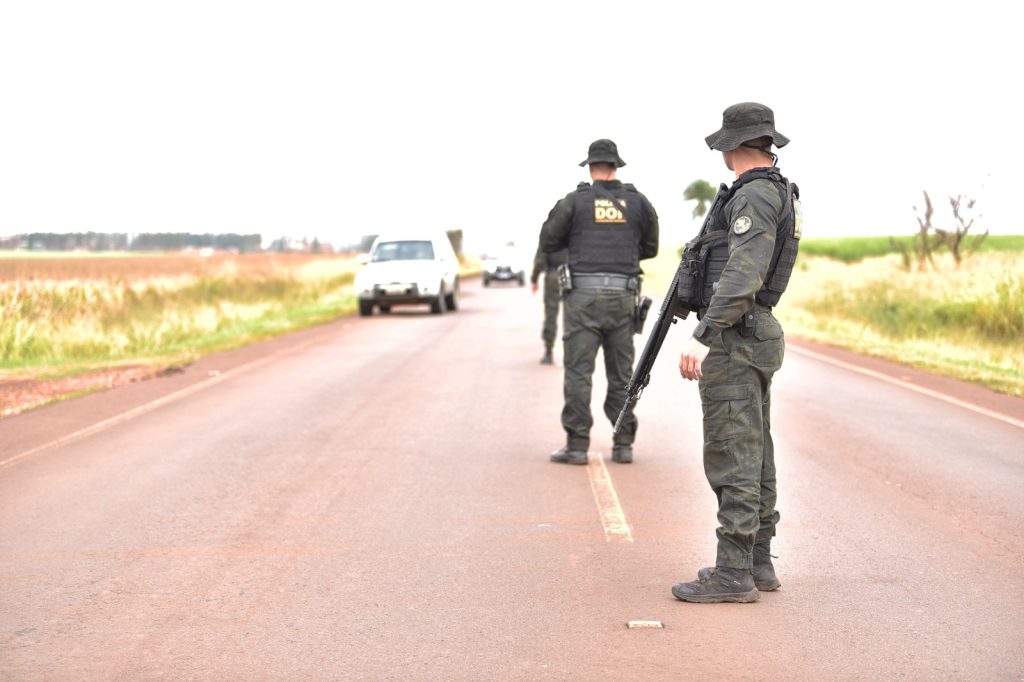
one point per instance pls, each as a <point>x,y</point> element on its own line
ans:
<point>746,277</point>
<point>746,349</point>
<point>598,317</point>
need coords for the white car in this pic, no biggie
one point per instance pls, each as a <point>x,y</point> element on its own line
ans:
<point>409,270</point>
<point>504,267</point>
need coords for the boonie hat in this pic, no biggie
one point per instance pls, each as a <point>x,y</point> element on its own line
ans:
<point>742,122</point>
<point>603,151</point>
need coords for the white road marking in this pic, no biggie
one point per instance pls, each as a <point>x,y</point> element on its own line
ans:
<point>613,519</point>
<point>909,386</point>
<point>215,378</point>
<point>633,624</point>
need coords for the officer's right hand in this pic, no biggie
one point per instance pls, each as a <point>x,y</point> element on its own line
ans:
<point>691,359</point>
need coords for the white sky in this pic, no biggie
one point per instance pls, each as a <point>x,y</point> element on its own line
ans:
<point>338,119</point>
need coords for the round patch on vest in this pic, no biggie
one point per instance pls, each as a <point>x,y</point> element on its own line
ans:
<point>741,225</point>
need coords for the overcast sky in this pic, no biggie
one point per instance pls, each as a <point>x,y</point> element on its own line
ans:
<point>339,119</point>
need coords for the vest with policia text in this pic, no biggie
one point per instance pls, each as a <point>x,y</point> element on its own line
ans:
<point>605,233</point>
<point>705,257</point>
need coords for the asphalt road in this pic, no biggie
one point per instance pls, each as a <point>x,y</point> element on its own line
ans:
<point>372,499</point>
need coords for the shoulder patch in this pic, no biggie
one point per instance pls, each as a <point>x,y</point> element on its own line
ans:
<point>741,224</point>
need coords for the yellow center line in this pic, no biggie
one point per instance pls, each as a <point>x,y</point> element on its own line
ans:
<point>613,519</point>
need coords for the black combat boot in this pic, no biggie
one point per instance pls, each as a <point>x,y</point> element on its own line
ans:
<point>567,456</point>
<point>764,572</point>
<point>623,454</point>
<point>548,358</point>
<point>717,585</point>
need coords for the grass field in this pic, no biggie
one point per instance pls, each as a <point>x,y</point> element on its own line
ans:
<point>63,315</point>
<point>853,249</point>
<point>965,322</point>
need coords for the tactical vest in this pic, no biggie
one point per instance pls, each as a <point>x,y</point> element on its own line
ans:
<point>605,233</point>
<point>787,240</point>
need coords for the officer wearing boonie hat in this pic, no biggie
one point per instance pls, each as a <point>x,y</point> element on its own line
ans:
<point>738,346</point>
<point>608,228</point>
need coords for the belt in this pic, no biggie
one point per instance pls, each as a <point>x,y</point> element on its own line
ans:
<point>740,322</point>
<point>604,280</point>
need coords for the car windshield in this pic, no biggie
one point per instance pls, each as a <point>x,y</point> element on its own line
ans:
<point>404,250</point>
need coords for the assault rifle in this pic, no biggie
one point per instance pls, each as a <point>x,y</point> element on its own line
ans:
<point>642,374</point>
<point>690,274</point>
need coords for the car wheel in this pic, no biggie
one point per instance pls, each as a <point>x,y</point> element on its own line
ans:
<point>452,299</point>
<point>522,281</point>
<point>487,281</point>
<point>437,305</point>
<point>366,308</point>
<point>385,308</point>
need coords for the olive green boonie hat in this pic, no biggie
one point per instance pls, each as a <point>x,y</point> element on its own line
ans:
<point>742,122</point>
<point>603,151</point>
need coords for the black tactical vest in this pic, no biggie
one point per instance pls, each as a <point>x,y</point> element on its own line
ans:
<point>605,232</point>
<point>787,240</point>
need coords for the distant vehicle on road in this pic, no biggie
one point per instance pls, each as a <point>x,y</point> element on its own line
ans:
<point>409,269</point>
<point>505,266</point>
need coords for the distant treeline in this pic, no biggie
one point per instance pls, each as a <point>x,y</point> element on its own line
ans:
<point>145,241</point>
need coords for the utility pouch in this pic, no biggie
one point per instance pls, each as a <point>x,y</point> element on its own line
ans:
<point>564,278</point>
<point>643,306</point>
<point>689,280</point>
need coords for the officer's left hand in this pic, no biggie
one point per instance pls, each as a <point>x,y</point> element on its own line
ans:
<point>534,287</point>
<point>690,361</point>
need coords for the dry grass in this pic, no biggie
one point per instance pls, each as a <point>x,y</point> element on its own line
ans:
<point>64,315</point>
<point>965,322</point>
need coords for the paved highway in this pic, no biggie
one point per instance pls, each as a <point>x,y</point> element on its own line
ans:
<point>372,499</point>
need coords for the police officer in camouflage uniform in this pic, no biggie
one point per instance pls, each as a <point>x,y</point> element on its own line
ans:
<point>735,350</point>
<point>548,264</point>
<point>608,228</point>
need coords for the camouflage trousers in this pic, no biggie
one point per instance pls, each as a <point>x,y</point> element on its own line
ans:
<point>739,458</point>
<point>597,319</point>
<point>552,296</point>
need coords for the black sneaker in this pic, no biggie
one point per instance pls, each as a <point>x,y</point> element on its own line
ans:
<point>623,454</point>
<point>567,456</point>
<point>718,585</point>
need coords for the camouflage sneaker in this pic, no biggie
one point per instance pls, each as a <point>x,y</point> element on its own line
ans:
<point>718,585</point>
<point>567,456</point>
<point>623,454</point>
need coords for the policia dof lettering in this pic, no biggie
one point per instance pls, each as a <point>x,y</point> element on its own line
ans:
<point>732,275</point>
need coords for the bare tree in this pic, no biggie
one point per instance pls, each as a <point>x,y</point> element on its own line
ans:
<point>923,244</point>
<point>956,239</point>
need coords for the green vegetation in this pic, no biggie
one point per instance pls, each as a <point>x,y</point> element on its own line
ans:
<point>61,327</point>
<point>853,249</point>
<point>966,322</point>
